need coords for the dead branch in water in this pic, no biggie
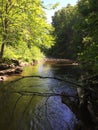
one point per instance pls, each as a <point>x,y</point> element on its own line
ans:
<point>31,93</point>
<point>45,77</point>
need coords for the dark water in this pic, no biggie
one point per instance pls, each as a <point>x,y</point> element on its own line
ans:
<point>21,109</point>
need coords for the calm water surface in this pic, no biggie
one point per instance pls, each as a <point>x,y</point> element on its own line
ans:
<point>28,111</point>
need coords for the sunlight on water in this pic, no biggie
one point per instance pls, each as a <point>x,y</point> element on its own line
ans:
<point>34,112</point>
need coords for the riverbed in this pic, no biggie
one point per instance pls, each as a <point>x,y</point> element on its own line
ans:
<point>24,104</point>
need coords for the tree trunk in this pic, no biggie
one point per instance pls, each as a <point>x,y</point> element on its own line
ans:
<point>2,51</point>
<point>5,30</point>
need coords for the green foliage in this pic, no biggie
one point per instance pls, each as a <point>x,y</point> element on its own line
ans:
<point>24,54</point>
<point>36,53</point>
<point>76,32</point>
<point>23,26</point>
<point>50,6</point>
<point>88,57</point>
<point>64,22</point>
<point>10,52</point>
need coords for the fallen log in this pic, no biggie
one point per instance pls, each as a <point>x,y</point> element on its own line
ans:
<point>45,77</point>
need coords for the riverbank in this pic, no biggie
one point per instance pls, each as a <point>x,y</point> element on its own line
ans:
<point>61,61</point>
<point>14,66</point>
<point>11,67</point>
<point>39,80</point>
<point>21,109</point>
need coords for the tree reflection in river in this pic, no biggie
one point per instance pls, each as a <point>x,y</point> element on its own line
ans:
<point>34,112</point>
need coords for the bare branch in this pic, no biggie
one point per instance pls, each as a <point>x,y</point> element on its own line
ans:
<point>46,77</point>
<point>30,93</point>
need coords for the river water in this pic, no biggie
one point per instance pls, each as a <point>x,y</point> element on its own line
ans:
<point>24,104</point>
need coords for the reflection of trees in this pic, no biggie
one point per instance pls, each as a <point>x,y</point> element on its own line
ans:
<point>15,107</point>
<point>71,71</point>
<point>71,100</point>
<point>66,80</point>
<point>39,114</point>
<point>22,115</point>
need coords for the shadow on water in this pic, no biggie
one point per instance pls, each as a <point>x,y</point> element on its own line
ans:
<point>20,111</point>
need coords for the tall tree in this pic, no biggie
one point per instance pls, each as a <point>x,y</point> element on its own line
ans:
<point>23,22</point>
<point>64,21</point>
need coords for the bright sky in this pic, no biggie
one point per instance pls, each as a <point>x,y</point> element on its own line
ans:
<point>62,3</point>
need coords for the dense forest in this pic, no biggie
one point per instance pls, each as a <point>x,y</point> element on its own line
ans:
<point>76,30</point>
<point>26,35</point>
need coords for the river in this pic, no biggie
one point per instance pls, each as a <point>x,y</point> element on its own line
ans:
<point>24,107</point>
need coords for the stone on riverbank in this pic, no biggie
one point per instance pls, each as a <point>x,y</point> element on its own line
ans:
<point>11,71</point>
<point>2,78</point>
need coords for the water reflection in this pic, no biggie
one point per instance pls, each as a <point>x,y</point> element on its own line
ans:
<point>20,111</point>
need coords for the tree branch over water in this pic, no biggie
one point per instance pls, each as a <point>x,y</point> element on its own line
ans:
<point>46,77</point>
